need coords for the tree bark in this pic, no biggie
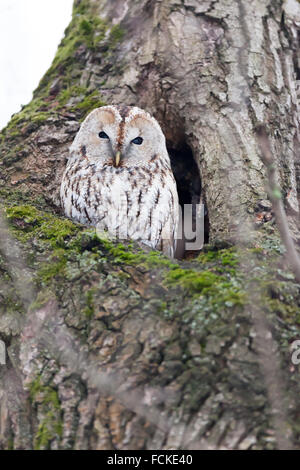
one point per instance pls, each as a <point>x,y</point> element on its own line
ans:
<point>109,347</point>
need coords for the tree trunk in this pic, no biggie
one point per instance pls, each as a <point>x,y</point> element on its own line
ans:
<point>111,347</point>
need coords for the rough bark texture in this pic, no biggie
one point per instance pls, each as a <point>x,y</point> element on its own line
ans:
<point>113,348</point>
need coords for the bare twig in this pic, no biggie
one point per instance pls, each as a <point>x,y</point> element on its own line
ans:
<point>277,203</point>
<point>16,264</point>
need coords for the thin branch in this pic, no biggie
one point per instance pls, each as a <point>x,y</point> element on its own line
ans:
<point>277,203</point>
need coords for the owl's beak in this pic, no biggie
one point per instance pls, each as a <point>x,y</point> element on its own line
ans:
<point>117,158</point>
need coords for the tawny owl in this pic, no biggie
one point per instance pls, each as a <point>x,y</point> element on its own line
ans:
<point>119,178</point>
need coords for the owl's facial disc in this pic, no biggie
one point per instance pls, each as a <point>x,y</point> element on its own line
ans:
<point>126,138</point>
<point>141,141</point>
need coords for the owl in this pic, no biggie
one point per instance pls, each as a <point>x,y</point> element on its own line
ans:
<point>119,178</point>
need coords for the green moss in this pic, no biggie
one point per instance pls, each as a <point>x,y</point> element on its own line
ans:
<point>28,221</point>
<point>70,92</point>
<point>43,437</point>
<point>10,303</point>
<point>67,241</point>
<point>86,100</point>
<point>56,230</point>
<point>192,280</point>
<point>207,303</point>
<point>85,27</point>
<point>90,102</point>
<point>13,156</point>
<point>124,254</point>
<point>35,387</point>
<point>87,32</point>
<point>36,112</point>
<point>290,313</point>
<point>49,429</point>
<point>15,197</point>
<point>54,267</point>
<point>280,297</point>
<point>156,258</point>
<point>80,7</point>
<point>51,425</point>
<point>43,297</point>
<point>38,391</point>
<point>227,257</point>
<point>257,250</point>
<point>27,214</point>
<point>217,287</point>
<point>89,298</point>
<point>81,31</point>
<point>116,35</point>
<point>220,292</point>
<point>10,444</point>
<point>84,30</point>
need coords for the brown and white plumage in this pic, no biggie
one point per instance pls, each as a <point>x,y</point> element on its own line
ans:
<point>119,178</point>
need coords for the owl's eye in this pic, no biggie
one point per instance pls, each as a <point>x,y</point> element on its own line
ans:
<point>137,141</point>
<point>102,135</point>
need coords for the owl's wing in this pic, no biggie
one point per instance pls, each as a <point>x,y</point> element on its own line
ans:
<point>169,234</point>
<point>168,248</point>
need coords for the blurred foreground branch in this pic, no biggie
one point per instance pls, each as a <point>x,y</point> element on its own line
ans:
<point>277,203</point>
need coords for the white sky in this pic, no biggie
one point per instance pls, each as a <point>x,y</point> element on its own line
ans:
<point>30,31</point>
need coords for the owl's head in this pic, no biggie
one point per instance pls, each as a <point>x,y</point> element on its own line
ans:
<point>120,136</point>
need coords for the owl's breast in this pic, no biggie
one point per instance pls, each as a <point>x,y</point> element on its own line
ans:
<point>132,203</point>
